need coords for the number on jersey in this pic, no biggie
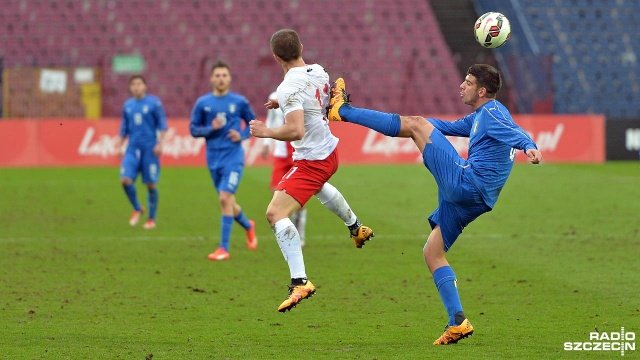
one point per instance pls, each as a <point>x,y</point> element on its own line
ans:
<point>318,95</point>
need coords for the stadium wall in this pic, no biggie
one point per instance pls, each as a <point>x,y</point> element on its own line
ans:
<point>73,142</point>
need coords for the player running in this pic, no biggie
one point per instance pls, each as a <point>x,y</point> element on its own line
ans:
<point>217,117</point>
<point>144,123</point>
<point>466,188</point>
<point>303,96</point>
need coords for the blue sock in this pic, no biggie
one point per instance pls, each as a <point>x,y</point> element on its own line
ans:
<point>445,280</point>
<point>384,123</point>
<point>130,190</point>
<point>227,223</point>
<point>242,220</point>
<point>153,203</point>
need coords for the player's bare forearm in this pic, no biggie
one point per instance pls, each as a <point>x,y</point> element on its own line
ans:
<point>161,135</point>
<point>286,132</point>
<point>120,143</point>
<point>259,129</point>
<point>157,150</point>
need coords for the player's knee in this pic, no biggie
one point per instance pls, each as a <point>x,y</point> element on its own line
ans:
<point>151,186</point>
<point>226,199</point>
<point>126,181</point>
<point>433,252</point>
<point>273,215</point>
<point>417,124</point>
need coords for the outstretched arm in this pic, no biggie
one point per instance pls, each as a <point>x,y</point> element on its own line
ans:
<point>505,130</point>
<point>460,127</point>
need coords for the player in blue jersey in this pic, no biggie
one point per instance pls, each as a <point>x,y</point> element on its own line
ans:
<point>144,122</point>
<point>466,188</point>
<point>218,117</point>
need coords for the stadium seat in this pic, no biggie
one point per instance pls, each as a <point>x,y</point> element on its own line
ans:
<point>577,34</point>
<point>371,46</point>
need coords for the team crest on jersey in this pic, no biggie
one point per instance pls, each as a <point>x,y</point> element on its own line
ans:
<point>207,109</point>
<point>232,108</point>
<point>145,109</point>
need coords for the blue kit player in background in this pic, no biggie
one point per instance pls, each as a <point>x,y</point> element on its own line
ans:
<point>144,123</point>
<point>466,188</point>
<point>218,117</point>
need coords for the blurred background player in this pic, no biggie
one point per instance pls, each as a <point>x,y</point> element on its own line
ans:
<point>218,116</point>
<point>282,162</point>
<point>144,123</point>
<point>467,188</point>
<point>303,96</point>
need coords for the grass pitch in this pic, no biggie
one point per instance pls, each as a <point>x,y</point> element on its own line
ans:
<point>555,260</point>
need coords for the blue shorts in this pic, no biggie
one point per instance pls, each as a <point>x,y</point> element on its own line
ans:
<point>227,178</point>
<point>140,159</point>
<point>459,202</point>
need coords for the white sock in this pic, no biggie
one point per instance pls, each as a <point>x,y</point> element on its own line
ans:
<point>333,200</point>
<point>301,223</point>
<point>289,242</point>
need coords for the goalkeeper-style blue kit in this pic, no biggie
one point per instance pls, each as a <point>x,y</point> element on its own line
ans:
<point>141,119</point>
<point>469,188</point>
<point>225,158</point>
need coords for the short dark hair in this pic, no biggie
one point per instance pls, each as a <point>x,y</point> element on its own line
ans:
<point>286,44</point>
<point>134,77</point>
<point>487,77</point>
<point>220,64</point>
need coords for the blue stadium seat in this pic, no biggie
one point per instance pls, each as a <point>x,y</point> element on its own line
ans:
<point>594,46</point>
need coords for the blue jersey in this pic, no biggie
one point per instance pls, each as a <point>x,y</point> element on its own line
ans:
<point>232,108</point>
<point>493,140</point>
<point>141,118</point>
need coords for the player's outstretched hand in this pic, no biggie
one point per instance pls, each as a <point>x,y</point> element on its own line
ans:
<point>234,135</point>
<point>258,128</point>
<point>272,104</point>
<point>534,155</point>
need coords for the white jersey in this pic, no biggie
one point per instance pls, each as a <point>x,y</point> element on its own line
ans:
<point>275,119</point>
<point>307,88</point>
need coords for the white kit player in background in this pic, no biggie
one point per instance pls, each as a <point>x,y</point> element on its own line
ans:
<point>282,152</point>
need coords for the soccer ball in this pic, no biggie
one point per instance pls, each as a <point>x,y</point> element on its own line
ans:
<point>492,30</point>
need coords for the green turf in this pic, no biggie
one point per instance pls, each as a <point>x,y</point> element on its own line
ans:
<point>556,259</point>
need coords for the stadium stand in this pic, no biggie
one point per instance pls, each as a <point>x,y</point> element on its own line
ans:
<point>578,54</point>
<point>391,52</point>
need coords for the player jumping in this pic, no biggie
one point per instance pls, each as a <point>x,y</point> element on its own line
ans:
<point>303,96</point>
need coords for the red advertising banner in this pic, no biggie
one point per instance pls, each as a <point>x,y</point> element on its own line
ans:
<point>70,142</point>
<point>560,138</point>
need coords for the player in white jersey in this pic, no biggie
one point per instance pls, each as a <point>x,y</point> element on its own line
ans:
<point>303,96</point>
<point>282,162</point>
